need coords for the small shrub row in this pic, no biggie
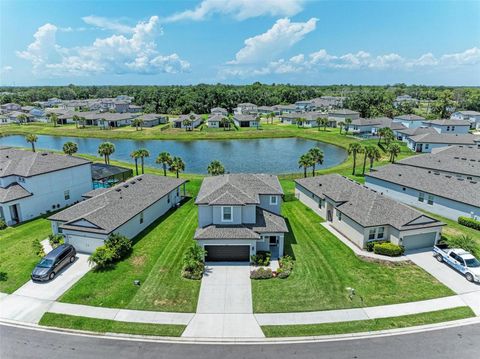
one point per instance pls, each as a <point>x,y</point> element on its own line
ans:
<point>262,258</point>
<point>261,273</point>
<point>469,222</point>
<point>286,267</point>
<point>388,249</point>
<point>116,248</point>
<point>38,248</point>
<point>193,266</point>
<point>370,244</point>
<point>56,240</point>
<point>3,225</point>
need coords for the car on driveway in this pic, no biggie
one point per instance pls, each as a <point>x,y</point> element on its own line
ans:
<point>460,260</point>
<point>53,262</point>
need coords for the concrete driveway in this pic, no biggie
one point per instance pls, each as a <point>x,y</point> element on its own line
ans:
<point>224,307</point>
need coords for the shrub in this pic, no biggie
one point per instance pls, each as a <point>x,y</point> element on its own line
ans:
<point>119,245</point>
<point>388,249</point>
<point>193,266</point>
<point>286,267</point>
<point>38,248</point>
<point>102,257</point>
<point>261,273</point>
<point>370,244</point>
<point>56,240</point>
<point>465,242</point>
<point>469,222</point>
<point>3,225</point>
<point>262,258</point>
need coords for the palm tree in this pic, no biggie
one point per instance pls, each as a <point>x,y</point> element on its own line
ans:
<point>106,149</point>
<point>394,150</point>
<point>381,132</point>
<point>318,121</point>
<point>102,123</point>
<point>388,136</point>
<point>70,148</point>
<point>76,119</point>
<point>353,149</point>
<point>138,123</point>
<point>31,138</point>
<point>187,123</point>
<point>83,121</point>
<point>348,122</point>
<point>53,118</point>
<point>341,124</point>
<point>317,157</point>
<point>177,165</point>
<point>22,118</point>
<point>374,155</point>
<point>216,168</point>
<point>300,121</point>
<point>143,153</point>
<point>324,123</point>
<point>305,161</point>
<point>257,120</point>
<point>135,155</point>
<point>224,122</point>
<point>272,116</point>
<point>165,160</point>
<point>367,150</point>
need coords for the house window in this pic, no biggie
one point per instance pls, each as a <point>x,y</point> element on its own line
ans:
<point>66,195</point>
<point>404,189</point>
<point>426,146</point>
<point>141,217</point>
<point>421,196</point>
<point>339,215</point>
<point>168,198</point>
<point>178,191</point>
<point>21,179</point>
<point>448,128</point>
<point>227,214</point>
<point>453,128</point>
<point>380,233</point>
<point>320,203</point>
<point>273,200</point>
<point>430,199</point>
<point>371,233</point>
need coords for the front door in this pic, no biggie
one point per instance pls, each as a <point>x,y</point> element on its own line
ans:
<point>14,213</point>
<point>419,147</point>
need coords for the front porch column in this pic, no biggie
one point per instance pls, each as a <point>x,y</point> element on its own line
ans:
<point>6,215</point>
<point>281,245</point>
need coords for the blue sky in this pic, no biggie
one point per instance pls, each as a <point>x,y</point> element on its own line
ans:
<point>239,41</point>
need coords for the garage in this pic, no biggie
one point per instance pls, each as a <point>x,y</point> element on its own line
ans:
<point>227,253</point>
<point>418,241</point>
<point>84,244</point>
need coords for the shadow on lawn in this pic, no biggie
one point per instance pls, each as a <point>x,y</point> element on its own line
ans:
<point>289,240</point>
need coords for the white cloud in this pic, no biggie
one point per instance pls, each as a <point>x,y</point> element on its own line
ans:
<point>280,37</point>
<point>117,54</point>
<point>108,24</point>
<point>239,9</point>
<point>468,57</point>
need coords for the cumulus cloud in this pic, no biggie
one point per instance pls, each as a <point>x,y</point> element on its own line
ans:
<point>117,54</point>
<point>280,37</point>
<point>107,24</point>
<point>239,9</point>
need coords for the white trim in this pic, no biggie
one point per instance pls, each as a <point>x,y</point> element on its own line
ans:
<point>276,200</point>
<point>231,214</point>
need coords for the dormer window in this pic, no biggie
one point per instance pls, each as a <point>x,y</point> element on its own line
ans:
<point>227,214</point>
<point>273,200</point>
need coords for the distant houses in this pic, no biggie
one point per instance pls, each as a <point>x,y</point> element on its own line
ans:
<point>471,116</point>
<point>428,141</point>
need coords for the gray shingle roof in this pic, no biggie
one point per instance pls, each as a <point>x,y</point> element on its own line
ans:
<point>14,162</point>
<point>238,188</point>
<point>12,192</point>
<point>416,131</point>
<point>470,113</point>
<point>409,117</point>
<point>365,206</point>
<point>432,182</point>
<point>343,111</point>
<point>378,121</point>
<point>451,139</point>
<point>112,208</point>
<point>447,122</point>
<point>245,118</point>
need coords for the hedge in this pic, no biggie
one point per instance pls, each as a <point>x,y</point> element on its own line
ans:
<point>388,249</point>
<point>469,222</point>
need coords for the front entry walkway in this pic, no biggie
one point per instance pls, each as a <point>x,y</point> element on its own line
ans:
<point>224,307</point>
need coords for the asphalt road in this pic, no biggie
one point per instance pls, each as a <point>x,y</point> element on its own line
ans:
<point>461,342</point>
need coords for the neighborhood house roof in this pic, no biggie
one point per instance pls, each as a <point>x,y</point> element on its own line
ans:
<point>13,192</point>
<point>182,118</point>
<point>409,117</point>
<point>365,206</point>
<point>416,131</point>
<point>453,139</point>
<point>343,111</point>
<point>244,118</point>
<point>101,171</point>
<point>378,121</point>
<point>447,122</point>
<point>469,113</point>
<point>110,209</point>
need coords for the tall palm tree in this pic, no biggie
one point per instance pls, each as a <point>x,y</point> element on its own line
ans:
<point>272,116</point>
<point>31,138</point>
<point>224,122</point>
<point>388,136</point>
<point>187,123</point>
<point>367,152</point>
<point>341,124</point>
<point>324,123</point>
<point>70,148</point>
<point>319,122</point>
<point>138,123</point>
<point>305,161</point>
<point>381,132</point>
<point>76,119</point>
<point>165,160</point>
<point>53,118</point>
<point>394,150</point>
<point>82,121</point>
<point>106,149</point>
<point>353,149</point>
<point>22,118</point>
<point>143,153</point>
<point>374,155</point>
<point>177,165</point>
<point>257,120</point>
<point>317,157</point>
<point>216,168</point>
<point>300,121</point>
<point>135,155</point>
<point>348,122</point>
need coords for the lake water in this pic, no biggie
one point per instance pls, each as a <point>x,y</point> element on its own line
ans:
<point>274,155</point>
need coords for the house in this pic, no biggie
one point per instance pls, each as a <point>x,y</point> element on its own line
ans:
<point>153,119</point>
<point>325,103</point>
<point>246,120</point>
<point>430,190</point>
<point>363,215</point>
<point>429,141</point>
<point>215,120</point>
<point>238,215</point>
<point>336,116</point>
<point>121,106</point>
<point>458,161</point>
<point>219,111</point>
<point>286,109</point>
<point>266,110</point>
<point>195,119</point>
<point>449,126</point>
<point>410,120</point>
<point>34,183</point>
<point>472,116</point>
<point>127,209</point>
<point>399,100</point>
<point>404,133</point>
<point>246,108</point>
<point>304,106</point>
<point>11,107</point>
<point>110,120</point>
<point>370,125</point>
<point>135,108</point>
<point>289,118</point>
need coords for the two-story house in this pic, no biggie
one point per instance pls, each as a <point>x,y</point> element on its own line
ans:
<point>472,116</point>
<point>240,214</point>
<point>449,126</point>
<point>34,183</point>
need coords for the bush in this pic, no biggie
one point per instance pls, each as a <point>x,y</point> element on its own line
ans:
<point>262,258</point>
<point>469,222</point>
<point>261,273</point>
<point>286,267</point>
<point>370,244</point>
<point>388,249</point>
<point>193,266</point>
<point>102,257</point>
<point>3,225</point>
<point>116,248</point>
<point>56,240</point>
<point>465,242</point>
<point>38,248</point>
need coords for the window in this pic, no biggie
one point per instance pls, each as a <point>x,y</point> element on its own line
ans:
<point>371,233</point>
<point>380,233</point>
<point>421,196</point>
<point>273,200</point>
<point>66,195</point>
<point>21,179</point>
<point>141,217</point>
<point>168,198</point>
<point>404,189</point>
<point>178,191</point>
<point>427,145</point>
<point>227,214</point>
<point>339,215</point>
<point>453,128</point>
<point>320,203</point>
<point>430,199</point>
<point>448,128</point>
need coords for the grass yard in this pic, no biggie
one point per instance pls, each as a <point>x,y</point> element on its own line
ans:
<point>368,325</point>
<point>325,267</point>
<point>17,257</point>
<point>110,326</point>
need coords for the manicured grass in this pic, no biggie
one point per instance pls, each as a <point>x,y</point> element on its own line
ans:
<point>325,267</point>
<point>368,325</point>
<point>17,257</point>
<point>110,326</point>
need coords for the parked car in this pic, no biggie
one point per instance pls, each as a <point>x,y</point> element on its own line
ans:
<point>53,262</point>
<point>460,260</point>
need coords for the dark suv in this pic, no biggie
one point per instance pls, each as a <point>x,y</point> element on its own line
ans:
<point>53,262</point>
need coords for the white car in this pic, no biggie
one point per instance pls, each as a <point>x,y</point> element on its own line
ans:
<point>459,259</point>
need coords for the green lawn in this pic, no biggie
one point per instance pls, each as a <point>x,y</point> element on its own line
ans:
<point>325,267</point>
<point>110,326</point>
<point>17,257</point>
<point>368,325</point>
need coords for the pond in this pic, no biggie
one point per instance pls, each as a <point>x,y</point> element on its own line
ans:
<point>270,155</point>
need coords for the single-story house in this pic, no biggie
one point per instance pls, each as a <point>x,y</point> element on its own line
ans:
<point>11,107</point>
<point>404,99</point>
<point>219,111</point>
<point>449,126</point>
<point>127,209</point>
<point>370,125</point>
<point>285,109</point>
<point>266,110</point>
<point>153,119</point>
<point>306,105</point>
<point>429,141</point>
<point>246,120</point>
<point>214,121</point>
<point>410,120</point>
<point>327,102</point>
<point>472,116</point>
<point>195,119</point>
<point>135,108</point>
<point>240,214</point>
<point>340,115</point>
<point>443,194</point>
<point>363,215</point>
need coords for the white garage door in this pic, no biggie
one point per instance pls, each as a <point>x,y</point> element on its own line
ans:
<point>84,244</point>
<point>417,241</point>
